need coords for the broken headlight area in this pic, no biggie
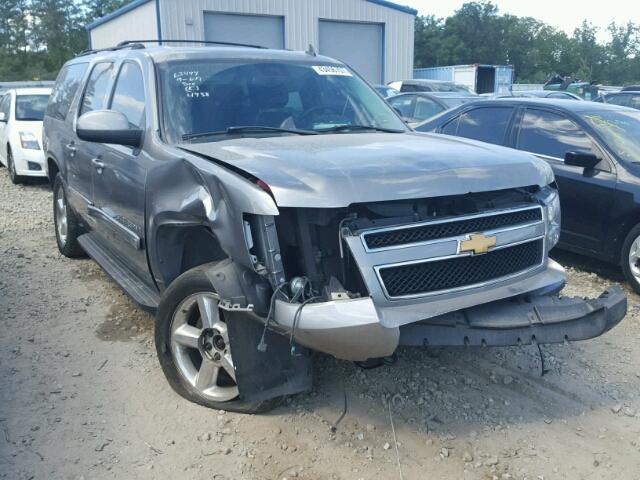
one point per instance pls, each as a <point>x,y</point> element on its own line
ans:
<point>551,201</point>
<point>307,248</point>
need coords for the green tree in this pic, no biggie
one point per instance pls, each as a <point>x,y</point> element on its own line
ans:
<point>623,52</point>
<point>478,33</point>
<point>428,41</point>
<point>58,31</point>
<point>99,8</point>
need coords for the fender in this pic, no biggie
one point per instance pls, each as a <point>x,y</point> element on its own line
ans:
<point>197,193</point>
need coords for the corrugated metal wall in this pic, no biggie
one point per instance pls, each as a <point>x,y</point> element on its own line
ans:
<point>434,73</point>
<point>504,79</point>
<point>185,20</point>
<point>139,23</point>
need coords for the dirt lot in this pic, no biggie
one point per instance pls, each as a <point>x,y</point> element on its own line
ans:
<point>82,395</point>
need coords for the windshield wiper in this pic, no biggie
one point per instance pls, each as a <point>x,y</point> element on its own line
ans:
<point>354,127</point>
<point>248,129</point>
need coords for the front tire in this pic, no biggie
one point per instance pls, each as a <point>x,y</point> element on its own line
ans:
<point>66,223</point>
<point>630,258</point>
<point>193,346</point>
<point>13,176</point>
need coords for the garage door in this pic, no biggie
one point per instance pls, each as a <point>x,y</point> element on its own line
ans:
<point>263,30</point>
<point>357,44</point>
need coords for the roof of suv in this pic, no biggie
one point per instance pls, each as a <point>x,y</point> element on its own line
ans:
<point>164,53</point>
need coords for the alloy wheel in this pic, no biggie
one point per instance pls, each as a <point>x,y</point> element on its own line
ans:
<point>61,216</point>
<point>200,347</point>
<point>634,258</point>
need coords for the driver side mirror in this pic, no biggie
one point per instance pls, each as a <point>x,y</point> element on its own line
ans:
<point>108,126</point>
<point>3,117</point>
<point>585,160</point>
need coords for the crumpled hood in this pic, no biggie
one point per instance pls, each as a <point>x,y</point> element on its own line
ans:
<point>328,171</point>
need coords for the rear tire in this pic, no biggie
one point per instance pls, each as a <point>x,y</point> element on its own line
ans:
<point>193,346</point>
<point>13,176</point>
<point>630,258</point>
<point>66,223</point>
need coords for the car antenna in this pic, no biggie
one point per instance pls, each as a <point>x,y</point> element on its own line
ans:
<point>311,51</point>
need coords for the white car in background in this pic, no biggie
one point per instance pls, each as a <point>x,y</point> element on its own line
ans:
<point>21,114</point>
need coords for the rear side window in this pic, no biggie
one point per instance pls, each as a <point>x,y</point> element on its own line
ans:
<point>128,95</point>
<point>488,124</point>
<point>551,134</point>
<point>65,90</point>
<point>96,94</point>
<point>426,108</point>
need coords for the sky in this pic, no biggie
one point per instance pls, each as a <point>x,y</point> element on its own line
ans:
<point>565,15</point>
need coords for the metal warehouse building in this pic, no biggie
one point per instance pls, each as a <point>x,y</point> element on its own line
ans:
<point>373,36</point>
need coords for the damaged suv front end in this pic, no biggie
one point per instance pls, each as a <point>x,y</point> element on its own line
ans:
<point>279,205</point>
<point>470,270</point>
<point>441,252</point>
<point>381,237</point>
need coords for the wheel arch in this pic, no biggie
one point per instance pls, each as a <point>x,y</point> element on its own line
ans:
<point>617,236</point>
<point>178,248</point>
<point>52,169</point>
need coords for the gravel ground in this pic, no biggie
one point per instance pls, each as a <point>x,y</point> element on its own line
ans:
<point>82,395</point>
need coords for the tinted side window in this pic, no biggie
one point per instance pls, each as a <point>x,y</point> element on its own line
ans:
<point>5,102</point>
<point>634,101</point>
<point>403,104</point>
<point>451,128</point>
<point>485,124</point>
<point>551,134</point>
<point>426,108</point>
<point>619,100</point>
<point>128,95</point>
<point>65,90</point>
<point>96,95</point>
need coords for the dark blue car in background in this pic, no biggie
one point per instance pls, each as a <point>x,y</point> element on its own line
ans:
<point>594,150</point>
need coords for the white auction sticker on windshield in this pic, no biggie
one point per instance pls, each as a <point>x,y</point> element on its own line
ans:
<point>332,70</point>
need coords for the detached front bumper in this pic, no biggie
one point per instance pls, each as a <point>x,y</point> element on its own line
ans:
<point>351,329</point>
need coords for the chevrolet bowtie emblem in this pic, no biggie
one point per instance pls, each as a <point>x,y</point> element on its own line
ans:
<point>477,243</point>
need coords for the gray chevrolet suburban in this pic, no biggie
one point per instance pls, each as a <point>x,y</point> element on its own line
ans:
<point>265,204</point>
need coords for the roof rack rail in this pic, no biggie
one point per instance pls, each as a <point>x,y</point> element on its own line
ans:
<point>120,46</point>
<point>206,42</point>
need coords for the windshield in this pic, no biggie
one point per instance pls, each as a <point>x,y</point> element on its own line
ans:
<point>226,98</point>
<point>620,130</point>
<point>31,107</point>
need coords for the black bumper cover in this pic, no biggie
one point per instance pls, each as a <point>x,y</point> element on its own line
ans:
<point>541,320</point>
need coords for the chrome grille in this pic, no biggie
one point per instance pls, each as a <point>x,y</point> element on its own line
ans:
<point>408,235</point>
<point>426,277</point>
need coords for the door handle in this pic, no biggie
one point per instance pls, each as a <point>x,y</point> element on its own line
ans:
<point>72,148</point>
<point>96,162</point>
